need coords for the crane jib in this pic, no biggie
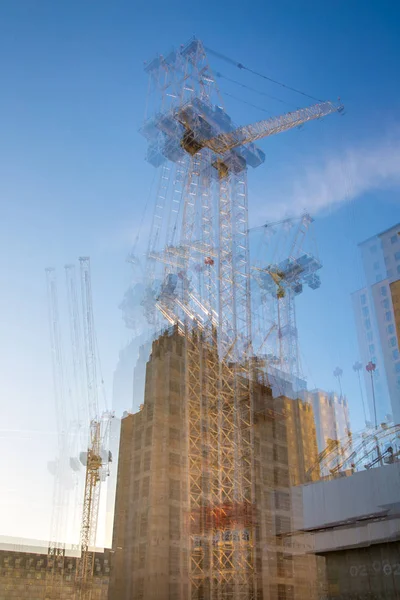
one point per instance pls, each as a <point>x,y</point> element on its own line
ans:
<point>192,141</point>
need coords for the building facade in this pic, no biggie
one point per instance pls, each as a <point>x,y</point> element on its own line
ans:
<point>376,329</point>
<point>23,575</point>
<point>331,414</point>
<point>151,540</point>
<point>395,294</point>
<point>148,541</point>
<point>128,395</point>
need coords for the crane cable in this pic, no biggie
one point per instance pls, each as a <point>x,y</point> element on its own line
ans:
<point>251,89</point>
<point>243,67</point>
<point>248,103</point>
<point>139,229</point>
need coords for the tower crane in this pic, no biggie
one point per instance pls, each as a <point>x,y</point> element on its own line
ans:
<point>95,459</point>
<point>284,280</point>
<point>208,295</point>
<point>79,423</point>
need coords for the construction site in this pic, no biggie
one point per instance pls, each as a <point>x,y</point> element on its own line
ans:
<point>213,474</point>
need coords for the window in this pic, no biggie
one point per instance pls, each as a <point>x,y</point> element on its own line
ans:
<point>383,291</point>
<point>174,489</point>
<point>398,269</point>
<point>174,433</point>
<point>282,524</point>
<point>138,439</point>
<point>369,336</point>
<point>365,311</point>
<point>388,316</point>
<point>397,367</point>
<point>378,278</point>
<point>285,592</point>
<point>146,462</point>
<point>145,486</point>
<point>393,342</point>
<point>396,354</point>
<point>282,500</point>
<point>363,299</point>
<point>390,272</point>
<point>371,348</point>
<point>367,324</point>
<point>148,435</point>
<point>143,524</point>
<point>284,565</point>
<point>385,303</point>
<point>390,329</point>
<point>397,255</point>
<point>174,459</point>
<point>394,239</point>
<point>376,266</point>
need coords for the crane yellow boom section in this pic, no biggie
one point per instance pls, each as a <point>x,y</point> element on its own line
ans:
<point>246,134</point>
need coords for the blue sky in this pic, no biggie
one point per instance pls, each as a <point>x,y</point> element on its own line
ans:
<point>73,178</point>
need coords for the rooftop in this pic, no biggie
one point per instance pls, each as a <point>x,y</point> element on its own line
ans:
<point>393,228</point>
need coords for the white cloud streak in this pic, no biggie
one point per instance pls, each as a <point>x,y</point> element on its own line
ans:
<point>339,179</point>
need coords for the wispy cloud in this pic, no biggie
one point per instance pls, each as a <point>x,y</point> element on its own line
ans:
<point>329,183</point>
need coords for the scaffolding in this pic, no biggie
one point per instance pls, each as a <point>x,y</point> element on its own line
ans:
<point>197,278</point>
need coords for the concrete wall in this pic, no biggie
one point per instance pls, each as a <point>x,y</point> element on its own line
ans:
<point>359,510</point>
<point>23,576</point>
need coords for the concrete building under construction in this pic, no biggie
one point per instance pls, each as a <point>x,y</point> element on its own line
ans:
<point>167,532</point>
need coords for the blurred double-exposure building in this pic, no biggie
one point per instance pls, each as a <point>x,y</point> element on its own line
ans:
<point>331,414</point>
<point>330,410</point>
<point>151,543</point>
<point>395,295</point>
<point>375,314</point>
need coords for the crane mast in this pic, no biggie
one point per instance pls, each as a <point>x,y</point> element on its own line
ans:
<point>79,425</point>
<point>56,549</point>
<point>89,337</point>
<point>76,343</point>
<point>93,457</point>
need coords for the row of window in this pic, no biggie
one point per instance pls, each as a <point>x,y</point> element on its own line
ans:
<point>390,271</point>
<point>385,303</point>
<point>393,240</point>
<point>392,343</point>
<point>387,260</point>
